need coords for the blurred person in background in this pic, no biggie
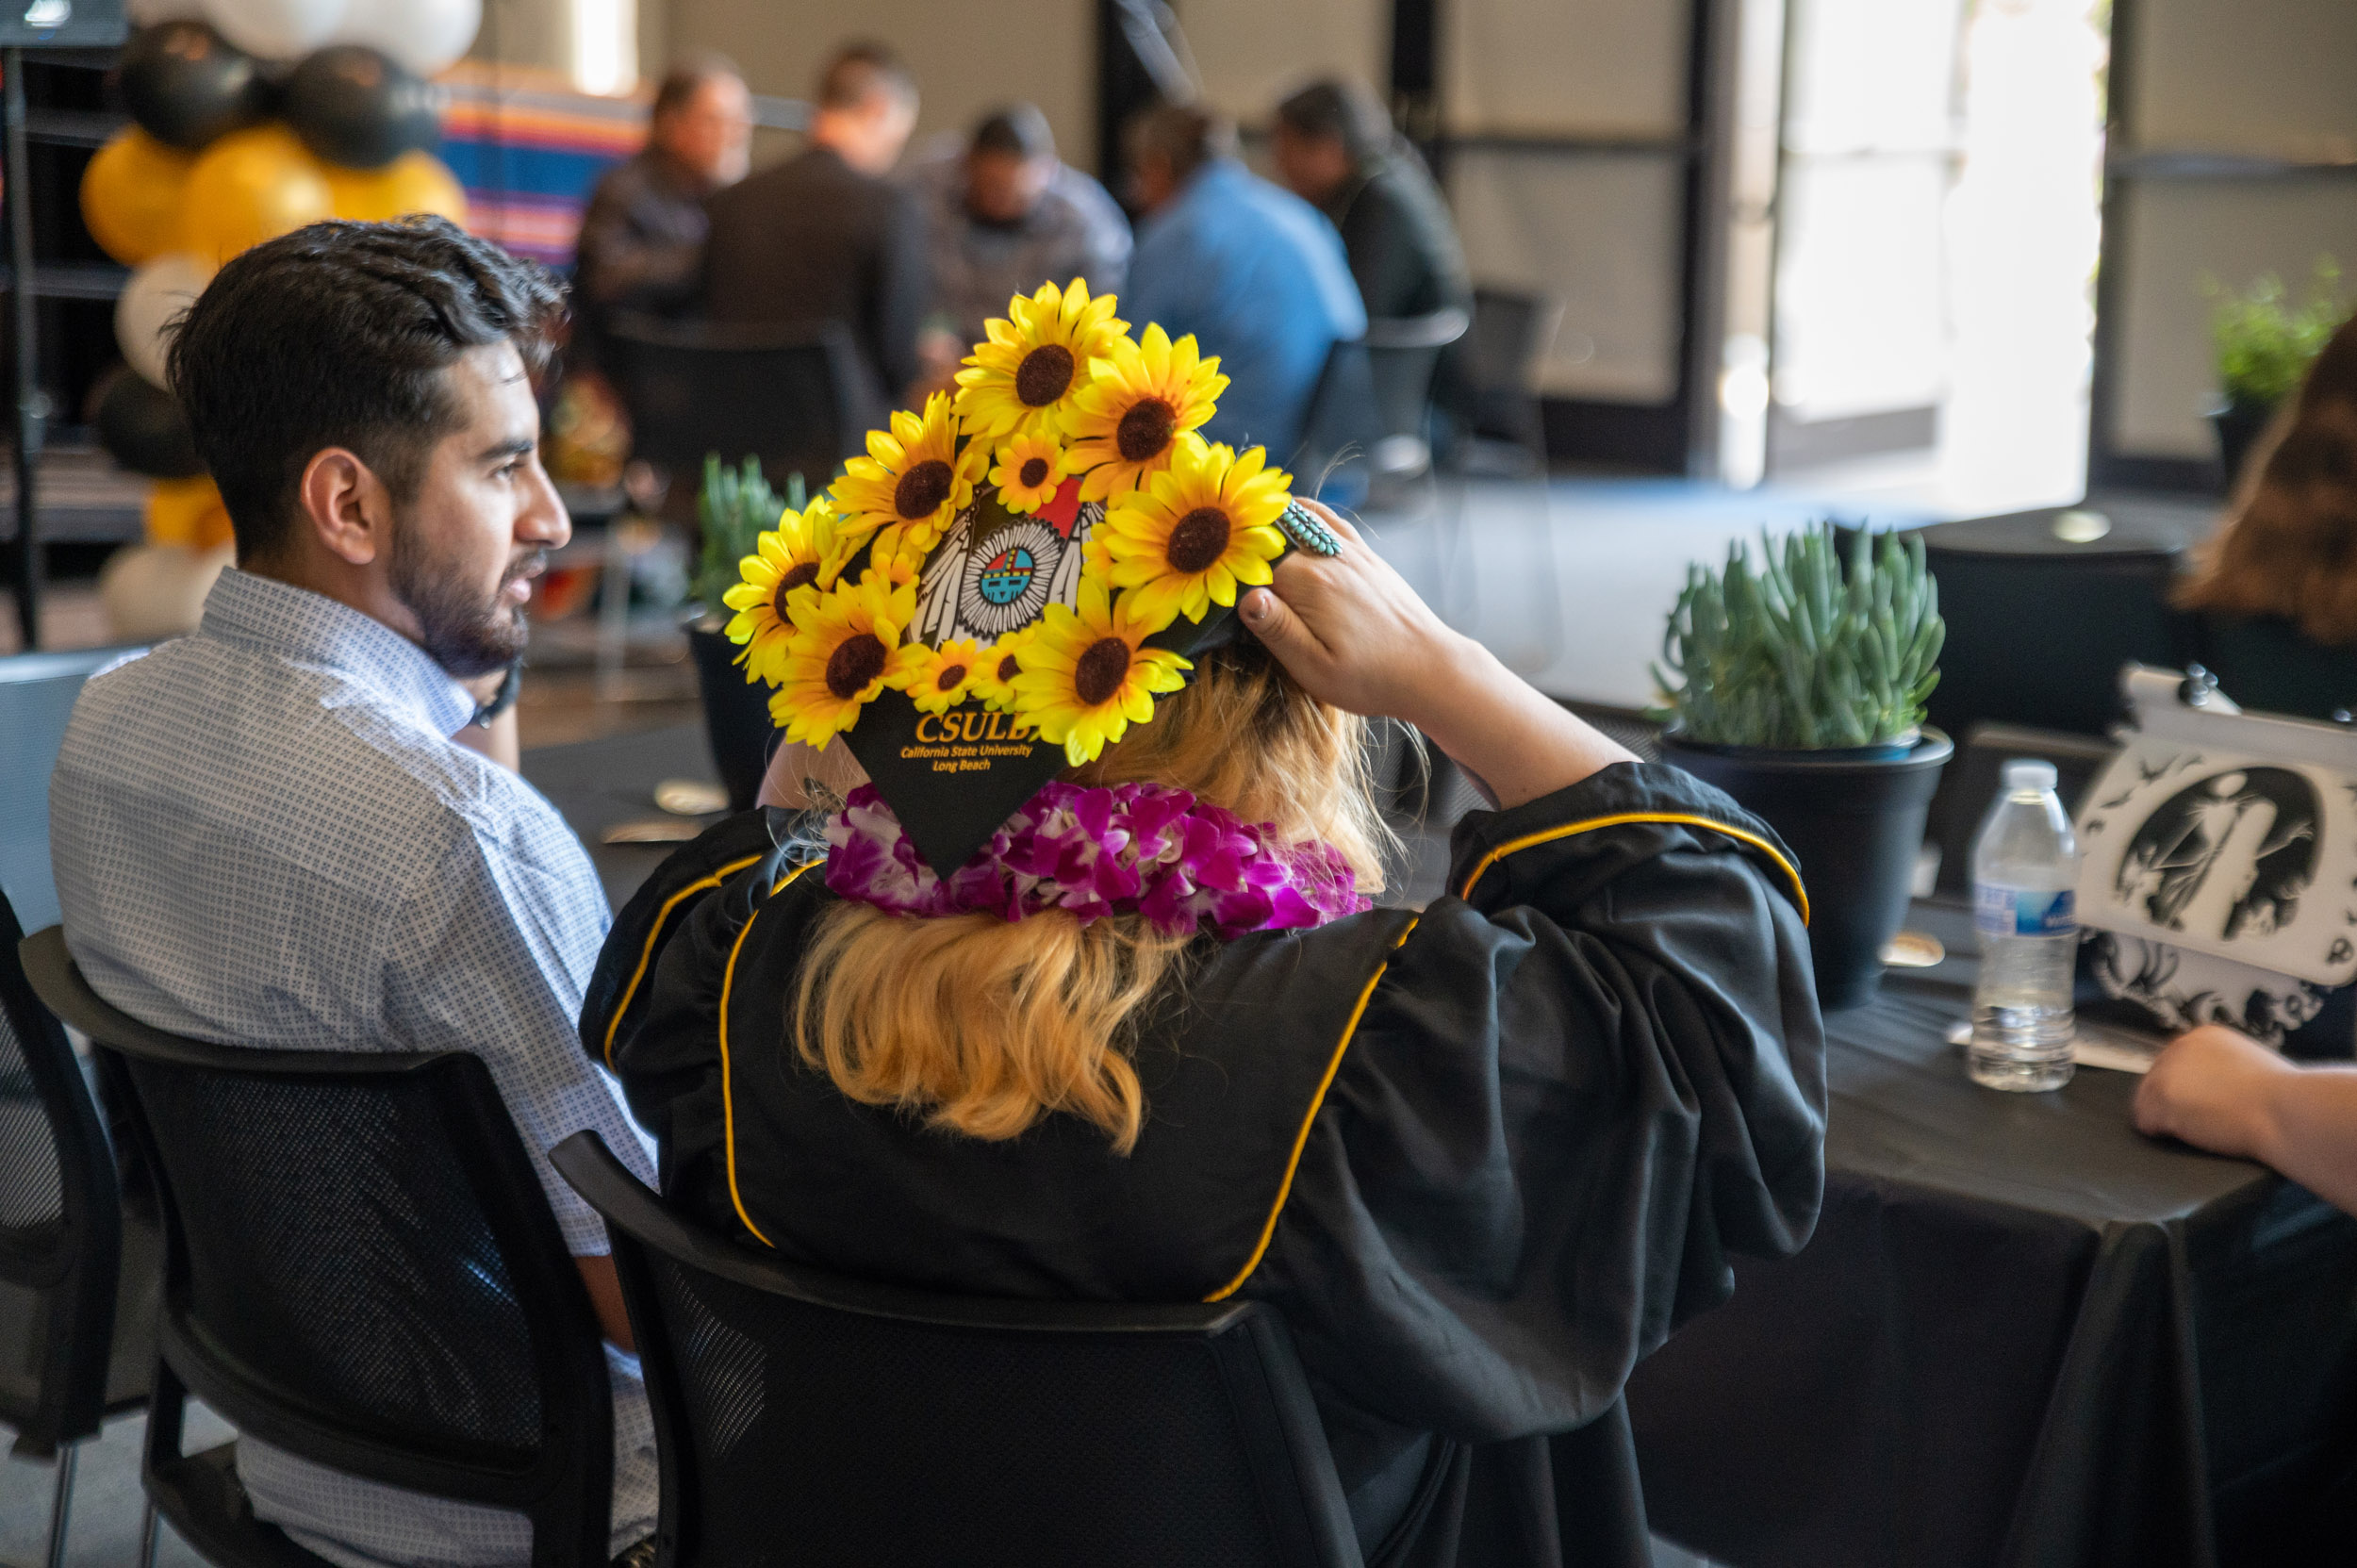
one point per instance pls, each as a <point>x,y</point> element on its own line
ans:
<point>825,236</point>
<point>1255,272</point>
<point>642,239</point>
<point>1336,149</point>
<point>2277,584</point>
<point>1007,215</point>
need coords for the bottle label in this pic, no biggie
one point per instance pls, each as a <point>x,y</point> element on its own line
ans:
<point>2023,912</point>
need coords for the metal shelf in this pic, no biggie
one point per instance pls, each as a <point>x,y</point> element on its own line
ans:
<point>72,127</point>
<point>70,280</point>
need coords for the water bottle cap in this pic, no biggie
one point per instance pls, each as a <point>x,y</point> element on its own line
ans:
<point>2029,773</point>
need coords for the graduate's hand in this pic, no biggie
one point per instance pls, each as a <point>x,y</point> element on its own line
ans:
<point>1355,634</point>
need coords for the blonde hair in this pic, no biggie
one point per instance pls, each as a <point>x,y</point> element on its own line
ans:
<point>981,1025</point>
<point>2288,547</point>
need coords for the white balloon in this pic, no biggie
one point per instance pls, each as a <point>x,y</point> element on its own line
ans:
<point>158,291</point>
<point>153,591</point>
<point>146,14</point>
<point>427,36</point>
<point>275,29</point>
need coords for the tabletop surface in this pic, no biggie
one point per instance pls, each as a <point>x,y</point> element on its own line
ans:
<point>596,784</point>
<point>2139,526</point>
<point>1905,1110</point>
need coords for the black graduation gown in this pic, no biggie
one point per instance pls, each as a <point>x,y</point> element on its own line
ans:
<point>1482,1157</point>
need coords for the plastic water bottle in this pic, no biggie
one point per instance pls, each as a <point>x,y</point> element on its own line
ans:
<point>2025,864</point>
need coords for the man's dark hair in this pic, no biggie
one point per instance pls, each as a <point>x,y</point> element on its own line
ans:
<point>1188,135</point>
<point>338,334</point>
<point>1343,111</point>
<point>686,75</point>
<point>1019,130</point>
<point>861,70</point>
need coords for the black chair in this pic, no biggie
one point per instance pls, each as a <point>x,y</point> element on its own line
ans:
<point>1370,415</point>
<point>77,1274</point>
<point>810,1419</point>
<point>360,1268</point>
<point>2038,631</point>
<point>800,399</point>
<point>1498,369</point>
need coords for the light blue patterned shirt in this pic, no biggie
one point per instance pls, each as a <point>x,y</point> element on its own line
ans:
<point>264,837</point>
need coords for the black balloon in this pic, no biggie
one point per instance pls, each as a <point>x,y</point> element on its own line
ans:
<point>142,428</point>
<point>353,105</point>
<point>184,84</point>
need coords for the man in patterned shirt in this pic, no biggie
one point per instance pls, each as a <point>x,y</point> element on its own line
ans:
<point>263,833</point>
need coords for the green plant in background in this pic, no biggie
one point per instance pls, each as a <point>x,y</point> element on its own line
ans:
<point>734,509</point>
<point>2265,342</point>
<point>1796,656</point>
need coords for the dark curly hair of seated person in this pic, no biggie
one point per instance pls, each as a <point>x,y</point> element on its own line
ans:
<point>338,334</point>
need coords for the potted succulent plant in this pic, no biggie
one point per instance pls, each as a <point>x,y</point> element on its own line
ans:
<point>1801,696</point>
<point>734,508</point>
<point>2264,345</point>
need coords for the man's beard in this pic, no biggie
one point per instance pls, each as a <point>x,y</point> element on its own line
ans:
<point>466,635</point>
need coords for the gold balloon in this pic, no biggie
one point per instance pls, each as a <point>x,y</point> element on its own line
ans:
<point>132,194</point>
<point>248,186</point>
<point>414,182</point>
<point>187,512</point>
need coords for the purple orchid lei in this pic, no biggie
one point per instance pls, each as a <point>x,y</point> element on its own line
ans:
<point>1134,847</point>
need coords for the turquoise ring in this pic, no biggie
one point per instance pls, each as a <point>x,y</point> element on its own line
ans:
<point>1304,528</point>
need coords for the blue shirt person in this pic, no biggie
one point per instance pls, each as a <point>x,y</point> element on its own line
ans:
<point>1257,274</point>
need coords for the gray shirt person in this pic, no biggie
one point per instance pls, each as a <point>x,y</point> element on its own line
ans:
<point>1004,214</point>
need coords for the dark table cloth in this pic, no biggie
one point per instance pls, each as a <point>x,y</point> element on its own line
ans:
<point>2022,1334</point>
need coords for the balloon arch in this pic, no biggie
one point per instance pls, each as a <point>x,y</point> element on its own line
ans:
<point>250,119</point>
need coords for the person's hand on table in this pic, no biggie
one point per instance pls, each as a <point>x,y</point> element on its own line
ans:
<point>2210,1087</point>
<point>1355,634</point>
<point>2221,1090</point>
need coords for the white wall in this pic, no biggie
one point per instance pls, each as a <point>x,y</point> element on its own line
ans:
<point>2267,78</point>
<point>1602,232</point>
<point>968,58</point>
<point>1254,52</point>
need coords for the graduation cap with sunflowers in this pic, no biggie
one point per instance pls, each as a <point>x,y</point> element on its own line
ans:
<point>1006,582</point>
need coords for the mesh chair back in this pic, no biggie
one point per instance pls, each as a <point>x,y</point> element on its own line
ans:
<point>60,1224</point>
<point>1342,426</point>
<point>797,401</point>
<point>808,1419</point>
<point>1511,333</point>
<point>361,1267</point>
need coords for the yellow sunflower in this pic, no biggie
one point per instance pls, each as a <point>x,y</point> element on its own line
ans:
<point>936,679</point>
<point>1085,679</point>
<point>1194,533</point>
<point>1029,469</point>
<point>992,679</point>
<point>912,476</point>
<point>843,647</point>
<point>806,552</point>
<point>1142,399</point>
<point>1024,377</point>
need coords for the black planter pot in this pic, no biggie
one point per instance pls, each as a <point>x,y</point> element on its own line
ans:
<point>2239,425</point>
<point>1856,824</point>
<point>736,714</point>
